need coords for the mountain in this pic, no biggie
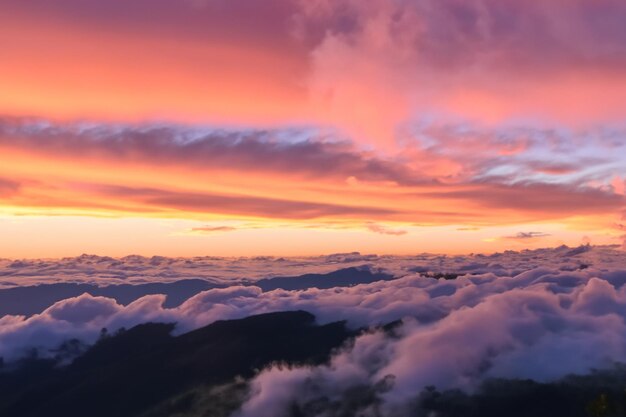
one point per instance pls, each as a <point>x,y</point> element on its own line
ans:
<point>29,300</point>
<point>346,277</point>
<point>135,370</point>
<point>35,299</point>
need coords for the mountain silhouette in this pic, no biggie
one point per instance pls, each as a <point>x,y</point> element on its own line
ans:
<point>134,370</point>
<point>346,277</point>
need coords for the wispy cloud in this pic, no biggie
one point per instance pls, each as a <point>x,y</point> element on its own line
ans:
<point>551,300</point>
<point>527,236</point>
<point>384,230</point>
<point>213,229</point>
<point>188,171</point>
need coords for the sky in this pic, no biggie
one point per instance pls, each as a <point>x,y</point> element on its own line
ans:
<point>302,127</point>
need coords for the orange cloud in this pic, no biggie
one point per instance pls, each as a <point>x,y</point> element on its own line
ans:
<point>366,68</point>
<point>213,229</point>
<point>180,172</point>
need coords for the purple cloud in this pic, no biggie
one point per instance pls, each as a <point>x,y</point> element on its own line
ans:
<point>526,235</point>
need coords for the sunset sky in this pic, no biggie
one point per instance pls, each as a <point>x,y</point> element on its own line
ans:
<point>302,127</point>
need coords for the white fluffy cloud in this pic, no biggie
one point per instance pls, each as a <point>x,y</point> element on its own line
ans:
<point>565,312</point>
<point>528,326</point>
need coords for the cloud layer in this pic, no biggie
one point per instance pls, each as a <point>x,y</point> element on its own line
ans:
<point>532,314</point>
<point>309,174</point>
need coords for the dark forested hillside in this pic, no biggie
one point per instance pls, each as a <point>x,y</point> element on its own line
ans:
<point>132,371</point>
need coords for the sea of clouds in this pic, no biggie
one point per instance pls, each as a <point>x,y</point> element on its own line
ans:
<point>539,314</point>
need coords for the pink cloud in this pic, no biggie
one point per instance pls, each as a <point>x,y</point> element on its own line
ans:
<point>8,187</point>
<point>377,228</point>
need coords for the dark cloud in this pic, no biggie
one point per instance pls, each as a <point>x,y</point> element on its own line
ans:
<point>552,168</point>
<point>383,230</point>
<point>622,228</point>
<point>526,235</point>
<point>273,151</point>
<point>551,199</point>
<point>306,154</point>
<point>233,204</point>
<point>510,35</point>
